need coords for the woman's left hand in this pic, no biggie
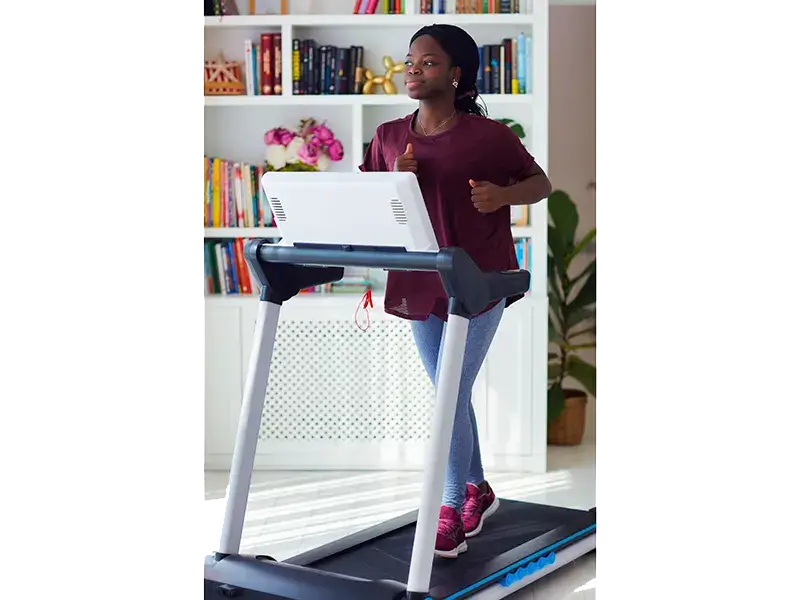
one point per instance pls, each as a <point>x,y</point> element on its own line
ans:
<point>487,197</point>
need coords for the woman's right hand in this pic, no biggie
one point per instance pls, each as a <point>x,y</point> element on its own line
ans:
<point>406,162</point>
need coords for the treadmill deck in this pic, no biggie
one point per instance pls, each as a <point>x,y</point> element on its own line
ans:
<point>515,532</point>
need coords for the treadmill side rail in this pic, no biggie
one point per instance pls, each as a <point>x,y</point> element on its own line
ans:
<point>248,578</point>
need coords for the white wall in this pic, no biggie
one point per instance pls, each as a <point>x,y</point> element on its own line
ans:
<point>572,120</point>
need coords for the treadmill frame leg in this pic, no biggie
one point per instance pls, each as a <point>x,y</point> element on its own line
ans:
<point>244,452</point>
<point>449,381</point>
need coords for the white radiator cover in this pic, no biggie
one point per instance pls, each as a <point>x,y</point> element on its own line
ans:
<point>340,398</point>
<point>330,381</point>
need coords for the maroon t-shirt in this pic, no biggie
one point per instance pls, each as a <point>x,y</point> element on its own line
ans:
<point>475,148</point>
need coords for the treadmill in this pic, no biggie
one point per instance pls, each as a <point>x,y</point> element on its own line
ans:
<point>394,560</point>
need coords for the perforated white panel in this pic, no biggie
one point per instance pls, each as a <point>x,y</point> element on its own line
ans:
<point>331,381</point>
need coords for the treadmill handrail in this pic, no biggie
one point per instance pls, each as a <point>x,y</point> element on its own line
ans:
<point>284,270</point>
<point>349,256</point>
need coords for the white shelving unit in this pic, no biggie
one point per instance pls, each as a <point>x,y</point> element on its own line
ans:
<point>346,100</point>
<point>351,20</point>
<point>510,396</point>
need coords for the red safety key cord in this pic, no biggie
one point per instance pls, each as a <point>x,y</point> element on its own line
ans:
<point>365,303</point>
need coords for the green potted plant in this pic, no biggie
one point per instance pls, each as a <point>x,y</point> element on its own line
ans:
<point>514,126</point>
<point>572,293</point>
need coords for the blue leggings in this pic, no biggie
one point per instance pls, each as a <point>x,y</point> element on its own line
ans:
<point>464,465</point>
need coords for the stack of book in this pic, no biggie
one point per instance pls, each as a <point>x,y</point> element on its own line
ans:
<point>472,7</point>
<point>326,69</point>
<point>504,66</point>
<point>263,65</point>
<point>226,271</point>
<point>233,195</point>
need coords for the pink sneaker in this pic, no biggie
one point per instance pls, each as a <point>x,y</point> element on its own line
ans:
<point>450,540</point>
<point>478,506</point>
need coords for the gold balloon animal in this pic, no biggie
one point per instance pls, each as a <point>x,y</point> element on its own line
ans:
<point>385,80</point>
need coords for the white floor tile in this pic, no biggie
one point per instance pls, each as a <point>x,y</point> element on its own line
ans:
<point>292,512</point>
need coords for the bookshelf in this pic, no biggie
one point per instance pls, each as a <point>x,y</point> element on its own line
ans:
<point>510,396</point>
<point>347,100</point>
<point>351,20</point>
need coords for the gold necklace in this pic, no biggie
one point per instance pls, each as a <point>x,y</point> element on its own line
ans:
<point>440,125</point>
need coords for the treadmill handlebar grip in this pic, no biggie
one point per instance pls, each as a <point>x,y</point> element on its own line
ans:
<point>472,290</point>
<point>280,281</point>
<point>508,283</point>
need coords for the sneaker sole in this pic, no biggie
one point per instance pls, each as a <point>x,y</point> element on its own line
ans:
<point>462,547</point>
<point>486,514</point>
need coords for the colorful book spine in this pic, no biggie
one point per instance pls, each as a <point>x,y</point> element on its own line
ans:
<point>522,63</point>
<point>267,64</point>
<point>263,65</point>
<point>428,7</point>
<point>277,64</point>
<point>248,67</point>
<point>225,269</point>
<point>256,60</point>
<point>326,69</point>
<point>233,197</point>
<point>504,67</point>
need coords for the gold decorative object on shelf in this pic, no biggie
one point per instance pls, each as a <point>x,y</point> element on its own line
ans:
<point>384,80</point>
<point>223,78</point>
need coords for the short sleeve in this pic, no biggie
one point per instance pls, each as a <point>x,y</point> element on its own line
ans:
<point>373,156</point>
<point>516,158</point>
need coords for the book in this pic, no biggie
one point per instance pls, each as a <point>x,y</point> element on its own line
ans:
<point>503,67</point>
<point>233,196</point>
<point>326,69</point>
<point>472,7</point>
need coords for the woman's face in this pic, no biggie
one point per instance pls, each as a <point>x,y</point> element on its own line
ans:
<point>428,73</point>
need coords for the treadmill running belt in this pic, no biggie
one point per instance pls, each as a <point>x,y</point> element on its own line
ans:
<point>511,531</point>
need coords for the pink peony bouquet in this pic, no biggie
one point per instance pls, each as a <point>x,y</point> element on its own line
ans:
<point>311,148</point>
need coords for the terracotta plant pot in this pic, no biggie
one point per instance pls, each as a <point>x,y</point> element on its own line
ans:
<point>568,428</point>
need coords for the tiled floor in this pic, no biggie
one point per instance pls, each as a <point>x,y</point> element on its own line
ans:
<point>291,512</point>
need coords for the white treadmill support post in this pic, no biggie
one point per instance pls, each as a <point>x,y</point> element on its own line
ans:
<point>244,452</point>
<point>319,239</point>
<point>449,379</point>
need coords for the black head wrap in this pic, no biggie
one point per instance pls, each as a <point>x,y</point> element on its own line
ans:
<point>463,53</point>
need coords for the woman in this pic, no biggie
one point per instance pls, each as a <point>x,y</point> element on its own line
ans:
<point>470,169</point>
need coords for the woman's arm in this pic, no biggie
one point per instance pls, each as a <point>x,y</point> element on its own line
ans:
<point>534,186</point>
